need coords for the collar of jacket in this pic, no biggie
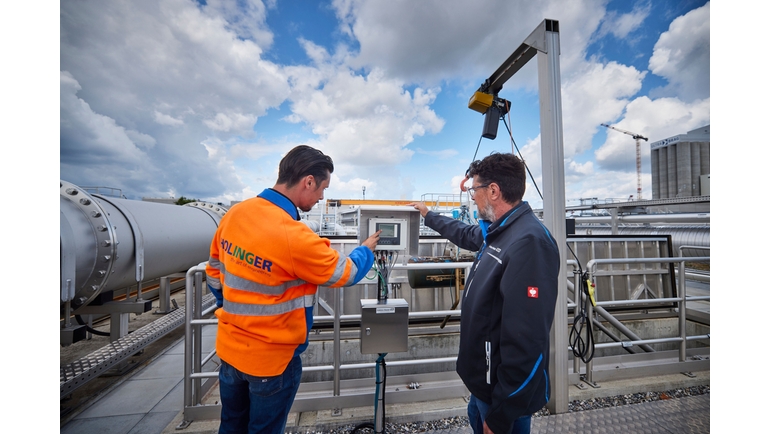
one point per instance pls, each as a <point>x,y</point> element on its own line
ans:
<point>280,201</point>
<point>488,227</point>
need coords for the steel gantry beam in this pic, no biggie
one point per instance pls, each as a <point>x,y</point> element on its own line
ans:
<point>544,44</point>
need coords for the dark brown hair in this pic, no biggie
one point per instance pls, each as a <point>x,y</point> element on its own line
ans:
<point>302,161</point>
<point>506,170</point>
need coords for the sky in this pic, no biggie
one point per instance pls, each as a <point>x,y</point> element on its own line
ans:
<point>180,98</point>
<point>170,98</point>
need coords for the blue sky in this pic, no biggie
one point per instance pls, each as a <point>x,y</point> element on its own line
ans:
<point>201,99</point>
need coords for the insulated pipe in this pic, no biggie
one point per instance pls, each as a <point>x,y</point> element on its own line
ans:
<point>702,217</point>
<point>108,243</point>
<point>693,236</point>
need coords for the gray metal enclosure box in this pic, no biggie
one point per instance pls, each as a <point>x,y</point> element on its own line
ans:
<point>366,212</point>
<point>384,326</point>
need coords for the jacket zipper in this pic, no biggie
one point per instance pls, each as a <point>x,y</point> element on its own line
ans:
<point>487,359</point>
<point>468,286</point>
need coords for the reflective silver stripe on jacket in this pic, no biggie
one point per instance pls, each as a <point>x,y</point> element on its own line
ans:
<point>236,282</point>
<point>214,262</point>
<point>214,283</point>
<point>339,270</point>
<point>269,309</point>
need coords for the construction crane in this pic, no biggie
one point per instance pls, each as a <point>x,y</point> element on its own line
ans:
<point>637,138</point>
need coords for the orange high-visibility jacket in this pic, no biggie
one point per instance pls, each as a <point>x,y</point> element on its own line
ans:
<point>268,265</point>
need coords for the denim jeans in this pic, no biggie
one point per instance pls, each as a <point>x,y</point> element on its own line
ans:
<point>257,404</point>
<point>477,411</point>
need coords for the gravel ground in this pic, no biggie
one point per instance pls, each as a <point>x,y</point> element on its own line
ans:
<point>573,406</point>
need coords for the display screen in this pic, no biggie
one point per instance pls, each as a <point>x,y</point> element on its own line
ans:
<point>390,230</point>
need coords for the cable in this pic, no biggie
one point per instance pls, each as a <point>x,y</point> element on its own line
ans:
<point>582,349</point>
<point>477,150</point>
<point>380,362</point>
<point>514,144</point>
<point>89,329</point>
<point>382,269</point>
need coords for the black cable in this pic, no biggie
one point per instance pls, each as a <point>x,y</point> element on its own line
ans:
<point>382,362</point>
<point>89,329</point>
<point>477,150</point>
<point>521,157</point>
<point>582,349</point>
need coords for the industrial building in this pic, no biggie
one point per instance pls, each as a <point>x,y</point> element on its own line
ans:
<point>680,165</point>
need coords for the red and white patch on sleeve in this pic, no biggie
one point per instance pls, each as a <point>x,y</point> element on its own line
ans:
<point>532,292</point>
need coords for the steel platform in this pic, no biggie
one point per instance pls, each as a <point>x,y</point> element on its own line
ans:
<point>672,416</point>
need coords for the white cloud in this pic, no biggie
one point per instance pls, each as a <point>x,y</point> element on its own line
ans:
<point>681,55</point>
<point>654,119</point>
<point>431,40</point>
<point>245,18</point>
<point>151,64</point>
<point>91,133</point>
<point>366,120</point>
<point>94,150</point>
<point>621,25</point>
<point>593,94</point>
<point>165,119</point>
<point>231,122</point>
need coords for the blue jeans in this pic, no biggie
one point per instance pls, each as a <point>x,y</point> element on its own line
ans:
<point>477,412</point>
<point>257,404</point>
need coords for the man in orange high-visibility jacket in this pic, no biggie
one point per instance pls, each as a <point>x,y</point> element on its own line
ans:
<point>265,267</point>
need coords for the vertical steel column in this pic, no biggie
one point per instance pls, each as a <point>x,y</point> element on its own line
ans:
<point>553,169</point>
<point>188,356</point>
<point>614,221</point>
<point>197,338</point>
<point>681,311</point>
<point>164,295</point>
<point>336,343</point>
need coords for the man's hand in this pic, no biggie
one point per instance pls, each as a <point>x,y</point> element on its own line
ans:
<point>420,206</point>
<point>371,242</point>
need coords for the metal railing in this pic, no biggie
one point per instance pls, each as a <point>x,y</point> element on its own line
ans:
<point>194,390</point>
<point>339,393</point>
<point>657,362</point>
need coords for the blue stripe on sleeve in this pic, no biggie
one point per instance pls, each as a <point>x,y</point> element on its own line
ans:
<point>363,258</point>
<point>530,377</point>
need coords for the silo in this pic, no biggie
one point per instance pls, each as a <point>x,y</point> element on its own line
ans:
<point>679,164</point>
<point>663,171</point>
<point>671,171</point>
<point>695,168</point>
<point>704,158</point>
<point>683,169</point>
<point>655,174</point>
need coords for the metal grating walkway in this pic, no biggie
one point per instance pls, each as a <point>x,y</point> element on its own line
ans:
<point>687,415</point>
<point>96,363</point>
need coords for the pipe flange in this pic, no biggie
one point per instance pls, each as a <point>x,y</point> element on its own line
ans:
<point>214,210</point>
<point>212,207</point>
<point>105,242</point>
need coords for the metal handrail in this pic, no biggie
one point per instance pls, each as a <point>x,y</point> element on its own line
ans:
<point>680,301</point>
<point>195,320</point>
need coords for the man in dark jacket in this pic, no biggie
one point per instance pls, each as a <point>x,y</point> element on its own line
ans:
<point>508,305</point>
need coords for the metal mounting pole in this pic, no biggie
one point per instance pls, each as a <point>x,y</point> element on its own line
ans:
<point>546,39</point>
<point>544,42</point>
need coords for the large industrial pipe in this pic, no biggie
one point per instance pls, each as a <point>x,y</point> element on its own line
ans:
<point>109,243</point>
<point>682,235</point>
